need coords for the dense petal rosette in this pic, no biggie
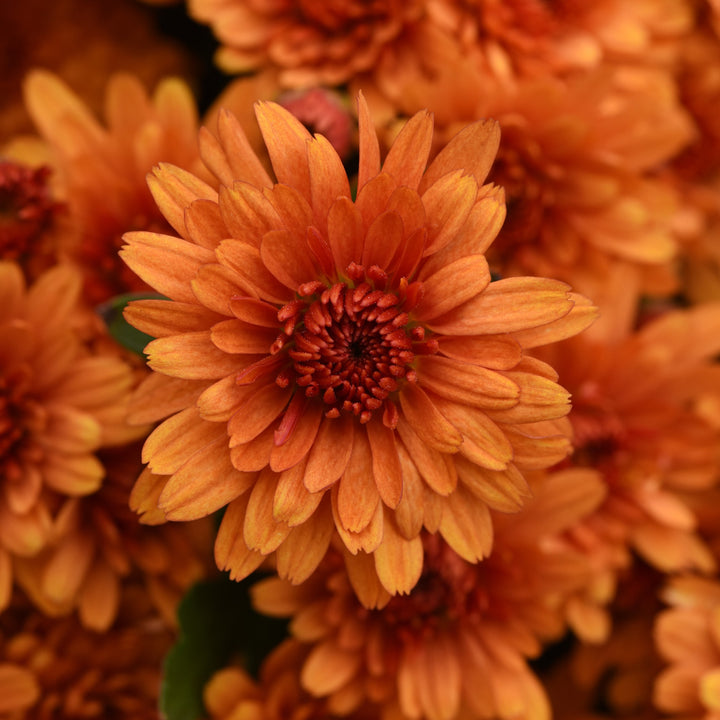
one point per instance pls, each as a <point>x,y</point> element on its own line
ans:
<point>343,363</point>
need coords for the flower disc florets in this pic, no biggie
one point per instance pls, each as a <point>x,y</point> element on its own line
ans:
<point>351,343</point>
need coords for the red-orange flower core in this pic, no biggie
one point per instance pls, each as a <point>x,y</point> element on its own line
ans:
<point>26,208</point>
<point>14,413</point>
<point>351,343</point>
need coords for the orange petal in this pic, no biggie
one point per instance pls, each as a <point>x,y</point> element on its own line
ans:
<point>214,285</point>
<point>253,455</point>
<point>357,494</point>
<point>372,200</point>
<point>497,352</point>
<point>161,318</point>
<point>241,338</point>
<point>328,179</point>
<point>99,597</point>
<point>484,442</point>
<point>66,570</point>
<point>19,689</point>
<point>204,224</point>
<point>369,148</point>
<point>176,440</point>
<point>261,531</point>
<point>506,306</point>
<point>411,509</point>
<point>192,356</point>
<point>408,155</point>
<point>300,441</point>
<point>73,474</point>
<point>427,421</point>
<point>220,401</point>
<point>231,552</point>
<point>255,312</point>
<point>466,525</point>
<point>244,260</point>
<point>472,150</point>
<point>166,263</point>
<point>247,213</point>
<point>286,256</point>
<point>306,545</point>
<point>369,537</point>
<point>504,490</point>
<point>385,463</point>
<point>398,561</point>
<point>451,286</point>
<point>383,240</point>
<point>345,233</point>
<point>293,504</point>
<point>328,668</point>
<point>330,452</point>
<point>207,482</point>
<point>286,141</point>
<point>436,468</point>
<point>540,399</point>
<point>448,204</point>
<point>259,409</point>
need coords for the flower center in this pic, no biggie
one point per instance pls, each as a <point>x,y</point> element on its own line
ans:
<point>351,344</point>
<point>26,208</point>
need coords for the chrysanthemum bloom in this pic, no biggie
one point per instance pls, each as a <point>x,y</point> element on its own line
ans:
<point>310,43</point>
<point>276,695</point>
<point>578,162</point>
<point>638,418</point>
<point>530,37</point>
<point>97,545</point>
<point>457,645</point>
<point>103,169</point>
<point>58,405</point>
<point>688,638</point>
<point>338,364</point>
<point>53,668</point>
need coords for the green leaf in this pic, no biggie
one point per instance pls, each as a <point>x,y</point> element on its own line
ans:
<point>120,329</point>
<point>217,625</point>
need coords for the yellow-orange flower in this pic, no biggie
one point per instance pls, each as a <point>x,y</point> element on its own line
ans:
<point>688,638</point>
<point>638,417</point>
<point>102,169</point>
<point>57,669</point>
<point>310,43</point>
<point>58,405</point>
<point>97,544</point>
<point>342,364</point>
<point>457,645</point>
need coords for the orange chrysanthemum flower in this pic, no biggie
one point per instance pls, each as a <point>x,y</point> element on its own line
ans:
<point>311,43</point>
<point>638,418</point>
<point>58,669</point>
<point>97,545</point>
<point>688,638</point>
<point>529,37</point>
<point>102,169</point>
<point>456,646</point>
<point>343,364</point>
<point>58,405</point>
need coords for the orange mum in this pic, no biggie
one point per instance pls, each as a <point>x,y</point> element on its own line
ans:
<point>102,169</point>
<point>456,646</point>
<point>309,42</point>
<point>58,405</point>
<point>341,364</point>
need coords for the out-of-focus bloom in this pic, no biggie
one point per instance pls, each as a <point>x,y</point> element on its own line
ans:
<point>277,695</point>
<point>578,161</point>
<point>331,364</point>
<point>58,405</point>
<point>84,44</point>
<point>513,38</point>
<point>310,43</point>
<point>688,638</point>
<point>457,645</point>
<point>97,544</point>
<point>102,169</point>
<point>638,417</point>
<point>53,668</point>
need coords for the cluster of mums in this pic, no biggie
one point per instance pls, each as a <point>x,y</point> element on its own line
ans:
<point>432,291</point>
